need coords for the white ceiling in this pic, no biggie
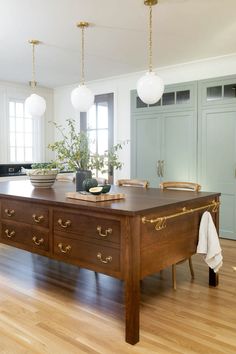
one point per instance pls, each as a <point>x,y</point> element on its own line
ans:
<point>183,30</point>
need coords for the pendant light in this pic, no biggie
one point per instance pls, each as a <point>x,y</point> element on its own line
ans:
<point>150,87</point>
<point>82,98</point>
<point>35,105</point>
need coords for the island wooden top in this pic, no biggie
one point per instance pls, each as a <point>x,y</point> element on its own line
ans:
<point>138,200</point>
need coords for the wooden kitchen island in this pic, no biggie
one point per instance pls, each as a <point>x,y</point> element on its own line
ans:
<point>127,239</point>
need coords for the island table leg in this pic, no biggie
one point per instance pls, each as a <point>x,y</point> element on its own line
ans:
<point>213,278</point>
<point>132,280</point>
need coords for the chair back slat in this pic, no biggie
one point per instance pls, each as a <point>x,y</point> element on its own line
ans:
<point>181,185</point>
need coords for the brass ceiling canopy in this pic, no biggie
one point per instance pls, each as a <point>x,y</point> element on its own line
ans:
<point>82,24</point>
<point>150,2</point>
<point>34,41</point>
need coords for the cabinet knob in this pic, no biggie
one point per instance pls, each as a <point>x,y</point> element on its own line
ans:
<point>104,260</point>
<point>64,249</point>
<point>9,212</point>
<point>10,234</point>
<point>37,241</point>
<point>37,219</point>
<point>106,233</point>
<point>63,224</point>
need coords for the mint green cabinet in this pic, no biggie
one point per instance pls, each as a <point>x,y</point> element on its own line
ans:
<point>217,146</point>
<point>190,135</point>
<point>164,137</point>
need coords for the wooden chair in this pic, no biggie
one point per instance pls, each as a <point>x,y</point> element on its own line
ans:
<point>194,187</point>
<point>132,183</point>
<point>181,185</point>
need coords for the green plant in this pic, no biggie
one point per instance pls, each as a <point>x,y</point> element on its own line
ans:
<point>73,151</point>
<point>45,165</point>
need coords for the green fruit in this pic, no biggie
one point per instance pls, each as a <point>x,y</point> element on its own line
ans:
<point>106,188</point>
<point>95,190</point>
<point>89,183</point>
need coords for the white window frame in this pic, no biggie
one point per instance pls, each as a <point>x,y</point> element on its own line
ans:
<point>37,136</point>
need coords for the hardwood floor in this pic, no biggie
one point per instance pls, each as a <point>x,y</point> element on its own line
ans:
<point>50,307</point>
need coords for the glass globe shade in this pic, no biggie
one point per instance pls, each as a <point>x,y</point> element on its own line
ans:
<point>150,88</point>
<point>82,98</point>
<point>35,105</point>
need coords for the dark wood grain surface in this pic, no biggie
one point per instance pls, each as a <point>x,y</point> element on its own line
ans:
<point>138,200</point>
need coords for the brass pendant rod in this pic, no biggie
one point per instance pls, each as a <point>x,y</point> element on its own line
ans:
<point>33,42</point>
<point>150,38</point>
<point>82,26</point>
<point>33,83</point>
<point>82,56</point>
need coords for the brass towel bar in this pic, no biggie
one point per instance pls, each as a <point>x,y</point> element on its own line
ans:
<point>161,221</point>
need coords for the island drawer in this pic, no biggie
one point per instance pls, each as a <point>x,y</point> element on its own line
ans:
<point>28,213</point>
<point>77,225</point>
<point>85,253</point>
<point>25,235</point>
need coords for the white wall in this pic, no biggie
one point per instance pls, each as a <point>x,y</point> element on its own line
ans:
<point>10,91</point>
<point>121,86</point>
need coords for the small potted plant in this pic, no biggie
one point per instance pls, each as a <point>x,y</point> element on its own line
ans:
<point>73,154</point>
<point>43,175</point>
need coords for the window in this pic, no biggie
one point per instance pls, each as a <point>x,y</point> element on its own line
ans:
<point>98,122</point>
<point>214,93</point>
<point>168,98</point>
<point>24,134</point>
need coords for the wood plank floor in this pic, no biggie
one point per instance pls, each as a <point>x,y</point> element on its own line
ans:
<point>50,307</point>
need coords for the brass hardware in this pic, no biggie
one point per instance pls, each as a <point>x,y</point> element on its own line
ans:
<point>158,168</point>
<point>106,260</point>
<point>9,234</point>
<point>37,241</point>
<point>64,249</point>
<point>37,218</point>
<point>150,2</point>
<point>34,41</point>
<point>9,212</point>
<point>82,24</point>
<point>65,224</point>
<point>161,221</point>
<point>106,233</point>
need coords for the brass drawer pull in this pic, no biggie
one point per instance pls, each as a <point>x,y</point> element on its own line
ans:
<point>37,241</point>
<point>65,224</point>
<point>9,212</point>
<point>37,218</point>
<point>64,249</point>
<point>106,233</point>
<point>9,234</point>
<point>106,260</point>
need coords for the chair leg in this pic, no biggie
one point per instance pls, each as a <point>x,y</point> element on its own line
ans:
<point>191,267</point>
<point>174,276</point>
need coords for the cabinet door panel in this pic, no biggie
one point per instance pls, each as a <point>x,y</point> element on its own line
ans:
<point>179,146</point>
<point>147,149</point>
<point>218,162</point>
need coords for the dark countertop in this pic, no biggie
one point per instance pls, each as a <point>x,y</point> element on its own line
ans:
<point>137,201</point>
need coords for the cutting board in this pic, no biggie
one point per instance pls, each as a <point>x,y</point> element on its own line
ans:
<point>95,198</point>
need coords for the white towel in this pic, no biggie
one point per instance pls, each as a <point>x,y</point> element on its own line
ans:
<point>208,242</point>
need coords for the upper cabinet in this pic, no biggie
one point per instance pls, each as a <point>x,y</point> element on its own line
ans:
<point>176,97</point>
<point>217,92</point>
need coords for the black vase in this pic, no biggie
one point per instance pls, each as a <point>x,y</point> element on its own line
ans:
<point>80,176</point>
